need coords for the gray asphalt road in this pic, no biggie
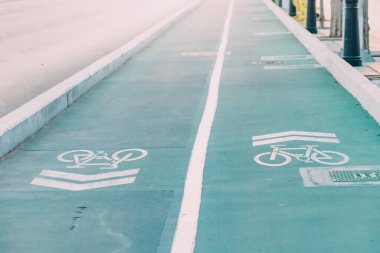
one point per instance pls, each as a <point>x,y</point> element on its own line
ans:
<point>42,42</point>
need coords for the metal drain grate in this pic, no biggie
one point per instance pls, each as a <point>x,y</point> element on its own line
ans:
<point>355,176</point>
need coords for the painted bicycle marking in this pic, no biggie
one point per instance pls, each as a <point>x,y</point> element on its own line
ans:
<point>282,155</point>
<point>90,163</point>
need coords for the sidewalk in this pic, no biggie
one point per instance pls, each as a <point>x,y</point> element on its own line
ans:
<point>371,63</point>
<point>224,135</point>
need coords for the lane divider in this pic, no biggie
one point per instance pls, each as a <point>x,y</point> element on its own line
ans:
<point>186,231</point>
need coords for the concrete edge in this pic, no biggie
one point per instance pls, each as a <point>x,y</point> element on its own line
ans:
<point>366,92</point>
<point>18,125</point>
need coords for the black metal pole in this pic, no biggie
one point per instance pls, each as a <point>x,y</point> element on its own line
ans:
<point>311,18</point>
<point>280,3</point>
<point>351,42</point>
<point>292,9</point>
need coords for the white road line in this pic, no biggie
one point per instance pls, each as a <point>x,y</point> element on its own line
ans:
<point>287,57</point>
<point>294,138</point>
<point>85,178</point>
<point>284,67</point>
<point>186,231</point>
<point>275,135</point>
<point>79,187</point>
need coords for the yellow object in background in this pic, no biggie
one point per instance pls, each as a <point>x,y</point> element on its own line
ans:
<point>301,7</point>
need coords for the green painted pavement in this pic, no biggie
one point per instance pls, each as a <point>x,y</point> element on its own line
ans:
<point>153,103</point>
<point>248,207</point>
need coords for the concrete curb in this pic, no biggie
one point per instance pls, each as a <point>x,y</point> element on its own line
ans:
<point>18,125</point>
<point>367,93</point>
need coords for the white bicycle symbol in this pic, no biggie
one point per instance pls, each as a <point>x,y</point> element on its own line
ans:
<point>83,158</point>
<point>281,156</point>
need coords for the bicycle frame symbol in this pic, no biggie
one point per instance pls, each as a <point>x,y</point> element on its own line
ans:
<point>84,158</point>
<point>280,156</point>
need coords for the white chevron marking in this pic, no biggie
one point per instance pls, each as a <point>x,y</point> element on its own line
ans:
<point>281,134</point>
<point>294,138</point>
<point>79,187</point>
<point>85,178</point>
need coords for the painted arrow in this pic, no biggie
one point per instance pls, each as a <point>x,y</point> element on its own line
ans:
<point>294,136</point>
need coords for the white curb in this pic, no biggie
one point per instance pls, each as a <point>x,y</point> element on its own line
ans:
<point>18,125</point>
<point>366,92</point>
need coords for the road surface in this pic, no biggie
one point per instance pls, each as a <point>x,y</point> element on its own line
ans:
<point>225,135</point>
<point>43,42</point>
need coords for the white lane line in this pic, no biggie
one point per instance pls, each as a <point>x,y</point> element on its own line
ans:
<point>287,133</point>
<point>186,231</point>
<point>86,178</point>
<point>284,67</point>
<point>286,57</point>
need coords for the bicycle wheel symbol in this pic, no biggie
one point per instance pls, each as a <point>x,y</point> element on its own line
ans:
<point>334,158</point>
<point>281,156</point>
<point>265,159</point>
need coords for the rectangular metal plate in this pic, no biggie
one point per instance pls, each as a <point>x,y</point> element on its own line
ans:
<point>341,176</point>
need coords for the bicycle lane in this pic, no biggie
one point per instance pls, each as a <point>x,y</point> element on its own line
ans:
<point>274,93</point>
<point>107,174</point>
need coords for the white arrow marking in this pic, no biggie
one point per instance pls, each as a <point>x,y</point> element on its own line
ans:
<point>85,178</point>
<point>79,187</point>
<point>288,133</point>
<point>294,138</point>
